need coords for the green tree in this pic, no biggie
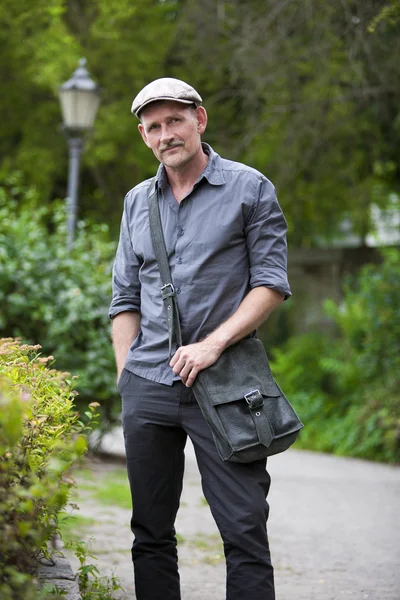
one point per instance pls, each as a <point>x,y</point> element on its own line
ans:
<point>125,42</point>
<point>306,91</point>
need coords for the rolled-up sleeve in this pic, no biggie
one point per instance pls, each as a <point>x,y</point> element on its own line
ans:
<point>125,279</point>
<point>266,241</point>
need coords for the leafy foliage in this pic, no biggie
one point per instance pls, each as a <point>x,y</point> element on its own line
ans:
<point>56,297</point>
<point>301,91</point>
<point>347,387</point>
<point>91,584</point>
<point>40,438</point>
<point>306,91</point>
<point>125,43</point>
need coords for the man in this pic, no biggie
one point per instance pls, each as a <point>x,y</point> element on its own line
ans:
<point>226,241</point>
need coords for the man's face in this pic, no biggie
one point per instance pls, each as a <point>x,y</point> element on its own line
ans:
<point>172,130</point>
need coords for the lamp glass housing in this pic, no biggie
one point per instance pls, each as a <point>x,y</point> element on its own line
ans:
<point>79,99</point>
<point>79,108</point>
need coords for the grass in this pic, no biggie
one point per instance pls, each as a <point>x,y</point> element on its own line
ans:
<point>206,543</point>
<point>114,493</point>
<point>209,545</point>
<point>73,526</point>
<point>179,538</point>
<point>111,489</point>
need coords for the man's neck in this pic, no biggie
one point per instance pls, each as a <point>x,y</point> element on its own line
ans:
<point>182,179</point>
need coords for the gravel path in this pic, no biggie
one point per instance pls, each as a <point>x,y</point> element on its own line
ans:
<point>334,531</point>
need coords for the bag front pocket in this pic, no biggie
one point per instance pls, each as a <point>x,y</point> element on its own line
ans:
<point>246,422</point>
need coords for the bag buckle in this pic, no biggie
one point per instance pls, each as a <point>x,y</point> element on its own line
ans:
<point>167,291</point>
<point>254,399</point>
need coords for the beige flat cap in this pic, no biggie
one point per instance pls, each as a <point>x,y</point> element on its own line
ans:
<point>166,88</point>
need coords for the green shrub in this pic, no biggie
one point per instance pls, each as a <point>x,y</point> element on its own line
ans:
<point>347,387</point>
<point>40,438</point>
<point>58,298</point>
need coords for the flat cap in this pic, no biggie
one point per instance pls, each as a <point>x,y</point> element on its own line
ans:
<point>166,88</point>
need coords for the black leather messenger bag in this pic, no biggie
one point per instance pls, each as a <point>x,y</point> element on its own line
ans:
<point>249,416</point>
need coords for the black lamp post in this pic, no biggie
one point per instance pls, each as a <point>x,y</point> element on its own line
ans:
<point>79,99</point>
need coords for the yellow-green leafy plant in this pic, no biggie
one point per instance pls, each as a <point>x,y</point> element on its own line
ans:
<point>41,437</point>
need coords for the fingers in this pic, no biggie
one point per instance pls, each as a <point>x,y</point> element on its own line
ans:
<point>185,366</point>
<point>189,360</point>
<point>177,362</point>
<point>185,369</point>
<point>191,378</point>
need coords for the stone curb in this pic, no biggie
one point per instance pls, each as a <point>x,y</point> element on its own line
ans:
<point>61,575</point>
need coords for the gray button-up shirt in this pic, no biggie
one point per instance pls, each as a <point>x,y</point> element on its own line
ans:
<point>227,236</point>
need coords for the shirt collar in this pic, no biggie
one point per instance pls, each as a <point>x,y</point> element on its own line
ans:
<point>212,172</point>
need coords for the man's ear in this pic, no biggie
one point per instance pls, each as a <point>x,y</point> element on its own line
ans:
<point>143,134</point>
<point>201,117</point>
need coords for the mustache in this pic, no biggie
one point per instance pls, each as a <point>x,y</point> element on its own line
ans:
<point>170,145</point>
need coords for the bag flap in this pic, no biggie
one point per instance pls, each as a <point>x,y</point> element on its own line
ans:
<point>225,398</point>
<point>240,369</point>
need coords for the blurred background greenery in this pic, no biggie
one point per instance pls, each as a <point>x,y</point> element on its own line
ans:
<point>306,91</point>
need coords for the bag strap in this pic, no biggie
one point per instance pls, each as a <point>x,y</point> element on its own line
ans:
<point>167,290</point>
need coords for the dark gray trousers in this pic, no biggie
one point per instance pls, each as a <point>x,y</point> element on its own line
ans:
<point>157,420</point>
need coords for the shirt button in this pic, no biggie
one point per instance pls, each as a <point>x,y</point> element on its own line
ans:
<point>179,261</point>
<point>178,290</point>
<point>180,231</point>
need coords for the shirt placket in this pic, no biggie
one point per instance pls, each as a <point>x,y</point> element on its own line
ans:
<point>181,240</point>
